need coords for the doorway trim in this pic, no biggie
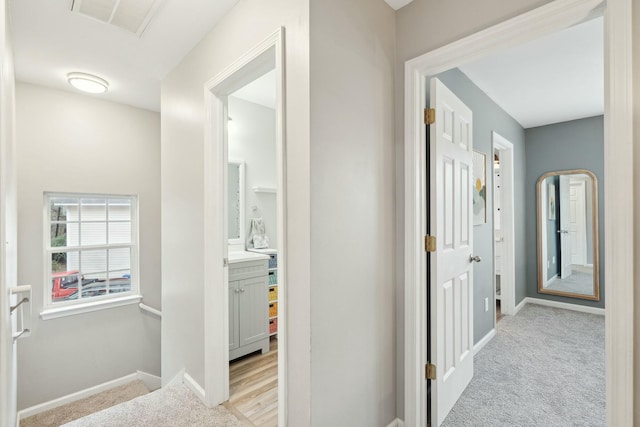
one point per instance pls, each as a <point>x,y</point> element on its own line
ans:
<point>507,224</point>
<point>619,244</point>
<point>265,56</point>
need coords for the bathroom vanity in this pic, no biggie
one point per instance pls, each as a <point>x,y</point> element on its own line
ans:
<point>248,308</point>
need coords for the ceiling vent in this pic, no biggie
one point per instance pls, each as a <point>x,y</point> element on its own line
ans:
<point>130,15</point>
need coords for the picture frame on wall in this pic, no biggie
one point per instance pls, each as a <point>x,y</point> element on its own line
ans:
<point>552,202</point>
<point>479,188</point>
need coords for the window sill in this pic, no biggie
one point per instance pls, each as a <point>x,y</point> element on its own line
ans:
<point>54,313</point>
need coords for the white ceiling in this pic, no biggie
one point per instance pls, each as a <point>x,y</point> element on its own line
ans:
<point>261,91</point>
<point>550,80</point>
<point>553,79</point>
<point>50,41</point>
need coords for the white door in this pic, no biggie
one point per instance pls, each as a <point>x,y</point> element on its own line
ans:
<point>578,222</point>
<point>8,232</point>
<point>565,223</point>
<point>451,270</point>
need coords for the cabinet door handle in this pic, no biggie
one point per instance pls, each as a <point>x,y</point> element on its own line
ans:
<point>241,290</point>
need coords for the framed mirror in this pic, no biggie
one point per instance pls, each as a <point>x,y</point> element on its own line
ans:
<point>568,234</point>
<point>235,202</point>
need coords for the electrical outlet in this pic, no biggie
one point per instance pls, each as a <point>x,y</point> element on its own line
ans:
<point>486,304</point>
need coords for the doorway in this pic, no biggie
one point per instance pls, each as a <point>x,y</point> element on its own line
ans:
<point>245,229</point>
<point>504,226</point>
<point>253,251</point>
<point>544,20</point>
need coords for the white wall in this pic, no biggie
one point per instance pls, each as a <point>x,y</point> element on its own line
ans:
<point>353,218</point>
<point>422,26</point>
<point>252,138</point>
<point>636,184</point>
<point>8,218</point>
<point>246,25</point>
<point>74,143</point>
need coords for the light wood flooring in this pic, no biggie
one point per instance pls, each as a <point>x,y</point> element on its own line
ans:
<point>253,388</point>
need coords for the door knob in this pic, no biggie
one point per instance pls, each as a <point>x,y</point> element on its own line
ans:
<point>474,258</point>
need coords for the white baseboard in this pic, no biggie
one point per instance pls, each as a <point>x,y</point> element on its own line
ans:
<point>484,341</point>
<point>42,407</point>
<point>519,306</point>
<point>396,423</point>
<point>152,382</point>
<point>566,306</point>
<point>194,386</point>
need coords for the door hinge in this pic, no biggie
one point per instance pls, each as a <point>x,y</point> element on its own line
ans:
<point>430,371</point>
<point>429,243</point>
<point>429,116</point>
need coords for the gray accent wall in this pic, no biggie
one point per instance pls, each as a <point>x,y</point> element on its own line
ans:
<point>489,117</point>
<point>577,144</point>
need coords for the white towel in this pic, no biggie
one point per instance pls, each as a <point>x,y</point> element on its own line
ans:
<point>257,237</point>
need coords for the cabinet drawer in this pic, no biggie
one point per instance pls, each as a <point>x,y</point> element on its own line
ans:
<point>248,269</point>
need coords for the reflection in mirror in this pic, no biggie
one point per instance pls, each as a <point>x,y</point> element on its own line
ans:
<point>568,234</point>
<point>235,182</point>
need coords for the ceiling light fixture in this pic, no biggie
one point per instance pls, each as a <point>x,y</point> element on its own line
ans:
<point>87,82</point>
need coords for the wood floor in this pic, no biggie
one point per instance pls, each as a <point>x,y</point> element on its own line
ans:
<point>253,388</point>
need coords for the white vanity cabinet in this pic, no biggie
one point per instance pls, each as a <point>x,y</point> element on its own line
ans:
<point>248,307</point>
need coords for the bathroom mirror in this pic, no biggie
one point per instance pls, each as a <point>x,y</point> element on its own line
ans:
<point>568,234</point>
<point>235,202</point>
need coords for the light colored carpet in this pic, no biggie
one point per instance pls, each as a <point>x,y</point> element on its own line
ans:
<point>80,408</point>
<point>173,406</point>
<point>545,367</point>
<point>580,281</point>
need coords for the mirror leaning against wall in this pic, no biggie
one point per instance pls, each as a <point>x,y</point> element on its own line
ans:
<point>568,234</point>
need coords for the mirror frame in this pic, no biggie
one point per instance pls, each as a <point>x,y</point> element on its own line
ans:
<point>596,254</point>
<point>240,239</point>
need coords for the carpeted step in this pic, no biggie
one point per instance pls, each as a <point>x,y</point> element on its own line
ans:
<point>172,406</point>
<point>83,407</point>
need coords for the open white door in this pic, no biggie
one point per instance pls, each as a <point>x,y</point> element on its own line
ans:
<point>8,227</point>
<point>565,224</point>
<point>451,287</point>
<point>578,221</point>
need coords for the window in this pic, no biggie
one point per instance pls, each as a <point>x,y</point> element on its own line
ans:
<point>91,250</point>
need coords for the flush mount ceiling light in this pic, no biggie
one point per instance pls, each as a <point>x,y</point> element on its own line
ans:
<point>87,82</point>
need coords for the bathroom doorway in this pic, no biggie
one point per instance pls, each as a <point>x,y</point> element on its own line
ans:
<point>253,251</point>
<point>245,293</point>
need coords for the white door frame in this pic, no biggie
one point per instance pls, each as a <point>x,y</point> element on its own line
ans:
<point>254,63</point>
<point>619,244</point>
<point>507,225</point>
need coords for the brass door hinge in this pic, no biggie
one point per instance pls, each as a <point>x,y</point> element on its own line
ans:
<point>429,243</point>
<point>429,116</point>
<point>430,371</point>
